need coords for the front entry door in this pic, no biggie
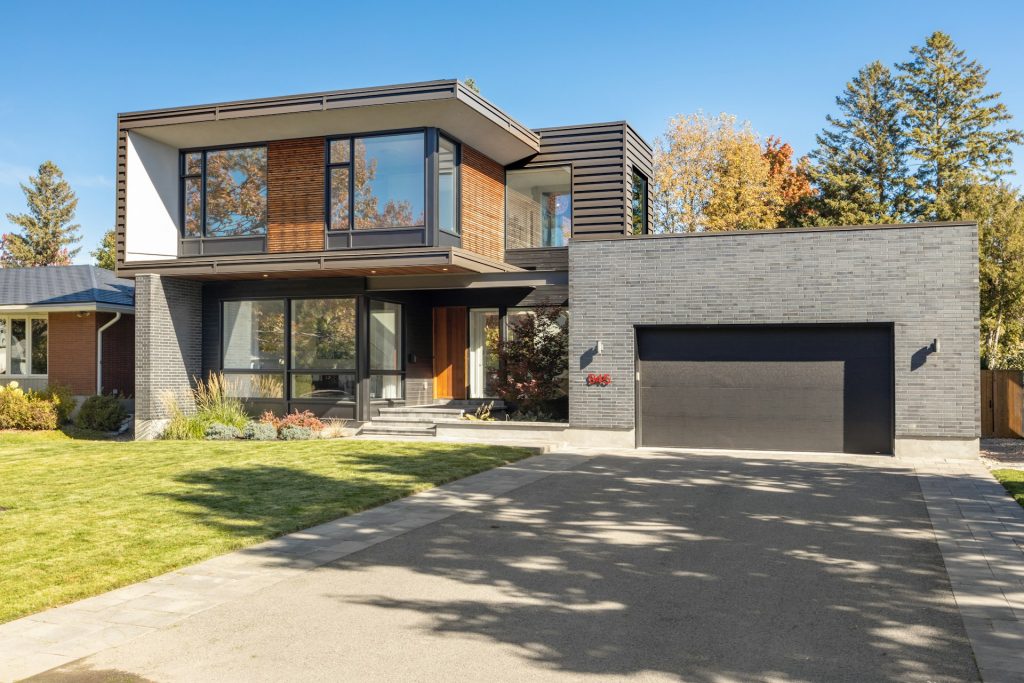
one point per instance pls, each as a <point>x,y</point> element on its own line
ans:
<point>450,347</point>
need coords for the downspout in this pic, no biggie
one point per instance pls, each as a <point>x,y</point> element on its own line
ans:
<point>99,351</point>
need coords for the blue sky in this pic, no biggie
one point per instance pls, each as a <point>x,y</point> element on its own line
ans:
<point>68,69</point>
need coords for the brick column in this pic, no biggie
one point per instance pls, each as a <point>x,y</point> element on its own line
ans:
<point>168,348</point>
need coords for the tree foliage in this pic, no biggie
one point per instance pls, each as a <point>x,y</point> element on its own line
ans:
<point>535,360</point>
<point>47,236</point>
<point>860,164</point>
<point>711,173</point>
<point>953,125</point>
<point>106,253</point>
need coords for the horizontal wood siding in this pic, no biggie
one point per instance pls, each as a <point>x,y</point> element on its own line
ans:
<point>483,204</point>
<point>640,156</point>
<point>295,195</point>
<point>597,154</point>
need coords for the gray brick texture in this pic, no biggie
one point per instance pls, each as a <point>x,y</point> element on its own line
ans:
<point>923,279</point>
<point>168,342</point>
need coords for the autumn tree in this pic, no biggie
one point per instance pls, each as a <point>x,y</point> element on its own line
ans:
<point>955,131</point>
<point>791,180</point>
<point>859,166</point>
<point>47,233</point>
<point>106,253</point>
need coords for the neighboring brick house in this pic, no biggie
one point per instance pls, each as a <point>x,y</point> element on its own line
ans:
<point>56,321</point>
<point>356,251</point>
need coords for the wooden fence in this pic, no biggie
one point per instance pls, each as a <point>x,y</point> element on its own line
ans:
<point>1002,403</point>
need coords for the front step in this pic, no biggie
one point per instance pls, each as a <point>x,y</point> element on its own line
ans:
<point>425,413</point>
<point>395,429</point>
<point>405,418</point>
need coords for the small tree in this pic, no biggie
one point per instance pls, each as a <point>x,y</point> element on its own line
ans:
<point>105,254</point>
<point>47,231</point>
<point>535,360</point>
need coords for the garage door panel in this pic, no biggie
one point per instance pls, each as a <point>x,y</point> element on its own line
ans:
<point>819,388</point>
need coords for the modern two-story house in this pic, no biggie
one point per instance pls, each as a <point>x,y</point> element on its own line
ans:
<point>347,251</point>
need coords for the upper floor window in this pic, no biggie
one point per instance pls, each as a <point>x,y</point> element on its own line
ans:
<point>376,181</point>
<point>224,192</point>
<point>638,200</point>
<point>447,185</point>
<point>538,207</point>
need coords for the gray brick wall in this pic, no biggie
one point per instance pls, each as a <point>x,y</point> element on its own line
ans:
<point>168,344</point>
<point>924,279</point>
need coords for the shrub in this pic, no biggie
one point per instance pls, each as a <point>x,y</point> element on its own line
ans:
<point>101,413</point>
<point>184,427</point>
<point>296,433</point>
<point>209,404</point>
<point>259,431</point>
<point>62,400</point>
<point>25,410</point>
<point>335,429</point>
<point>221,432</point>
<point>304,419</point>
<point>535,358</point>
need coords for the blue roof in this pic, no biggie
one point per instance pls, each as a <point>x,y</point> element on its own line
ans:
<point>63,286</point>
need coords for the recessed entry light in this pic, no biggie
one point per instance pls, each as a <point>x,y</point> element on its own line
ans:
<point>266,275</point>
<point>373,272</point>
<point>444,269</point>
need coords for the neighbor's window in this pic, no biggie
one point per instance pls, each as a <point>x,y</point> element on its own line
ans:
<point>24,346</point>
<point>323,349</point>
<point>538,207</point>
<point>376,181</point>
<point>224,192</point>
<point>385,350</point>
<point>252,342</point>
<point>447,185</point>
<point>639,203</point>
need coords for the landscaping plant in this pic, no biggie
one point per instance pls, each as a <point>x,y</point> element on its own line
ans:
<point>221,432</point>
<point>61,398</point>
<point>535,359</point>
<point>259,431</point>
<point>292,433</point>
<point>210,403</point>
<point>101,413</point>
<point>25,410</point>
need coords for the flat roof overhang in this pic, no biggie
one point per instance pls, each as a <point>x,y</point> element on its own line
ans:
<point>362,263</point>
<point>448,105</point>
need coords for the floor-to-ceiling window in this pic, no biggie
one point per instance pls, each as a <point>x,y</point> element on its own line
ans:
<point>385,350</point>
<point>538,207</point>
<point>323,349</point>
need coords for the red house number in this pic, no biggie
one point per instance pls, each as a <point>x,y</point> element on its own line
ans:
<point>598,380</point>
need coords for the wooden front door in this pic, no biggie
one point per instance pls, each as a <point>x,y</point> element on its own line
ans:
<point>451,346</point>
<point>1002,403</point>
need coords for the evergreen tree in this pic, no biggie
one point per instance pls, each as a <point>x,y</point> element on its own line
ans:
<point>47,231</point>
<point>953,126</point>
<point>860,163</point>
<point>106,253</point>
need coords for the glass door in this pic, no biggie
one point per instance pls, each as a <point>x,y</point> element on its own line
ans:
<point>484,334</point>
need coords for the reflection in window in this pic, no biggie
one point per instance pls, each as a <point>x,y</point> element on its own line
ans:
<point>334,386</point>
<point>384,387</point>
<point>538,207</point>
<point>254,385</point>
<point>385,335</point>
<point>323,334</point>
<point>19,347</point>
<point>340,208</point>
<point>447,184</point>
<point>253,335</point>
<point>39,346</point>
<point>638,203</point>
<point>4,325</point>
<point>389,181</point>
<point>224,192</point>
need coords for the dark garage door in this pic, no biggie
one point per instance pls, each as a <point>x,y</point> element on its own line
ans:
<point>818,388</point>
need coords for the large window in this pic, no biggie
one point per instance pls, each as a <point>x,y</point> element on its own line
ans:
<point>323,353</point>
<point>253,348</point>
<point>385,350</point>
<point>447,185</point>
<point>24,346</point>
<point>376,181</point>
<point>538,207</point>
<point>638,202</point>
<point>224,192</point>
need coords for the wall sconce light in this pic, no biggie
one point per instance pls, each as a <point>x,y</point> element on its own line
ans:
<point>599,348</point>
<point>935,345</point>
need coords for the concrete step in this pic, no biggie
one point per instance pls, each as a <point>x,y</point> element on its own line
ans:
<point>403,418</point>
<point>398,429</point>
<point>424,412</point>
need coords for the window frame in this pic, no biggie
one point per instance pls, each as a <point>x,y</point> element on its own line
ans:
<point>282,371</point>
<point>328,166</point>
<point>291,370</point>
<point>572,199</point>
<point>184,175</point>
<point>456,180</point>
<point>645,228</point>
<point>28,318</point>
<point>401,370</point>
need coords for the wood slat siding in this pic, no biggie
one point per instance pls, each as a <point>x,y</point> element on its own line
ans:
<point>640,156</point>
<point>602,156</point>
<point>295,195</point>
<point>483,204</point>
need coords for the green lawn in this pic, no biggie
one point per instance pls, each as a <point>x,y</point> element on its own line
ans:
<point>80,517</point>
<point>1012,481</point>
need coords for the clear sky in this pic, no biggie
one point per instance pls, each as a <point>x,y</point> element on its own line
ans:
<point>68,68</point>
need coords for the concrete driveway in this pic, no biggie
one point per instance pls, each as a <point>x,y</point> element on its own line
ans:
<point>640,565</point>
